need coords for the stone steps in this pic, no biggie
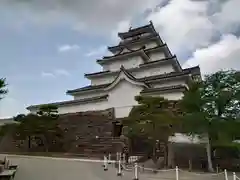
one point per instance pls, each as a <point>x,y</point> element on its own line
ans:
<point>101,145</point>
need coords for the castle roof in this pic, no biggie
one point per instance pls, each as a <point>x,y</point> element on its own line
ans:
<point>141,51</point>
<point>72,102</point>
<point>106,86</point>
<point>149,28</point>
<point>164,89</point>
<point>137,40</point>
<point>186,72</point>
<point>171,59</point>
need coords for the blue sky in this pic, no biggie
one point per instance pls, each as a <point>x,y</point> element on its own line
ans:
<point>47,46</point>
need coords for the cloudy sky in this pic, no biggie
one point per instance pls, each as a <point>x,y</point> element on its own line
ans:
<point>46,46</point>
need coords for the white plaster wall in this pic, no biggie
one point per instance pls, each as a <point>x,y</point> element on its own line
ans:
<point>122,97</point>
<point>150,45</point>
<point>154,56</point>
<point>169,95</point>
<point>93,106</point>
<point>160,69</point>
<point>102,80</point>
<point>129,62</point>
<point>169,83</point>
<point>122,111</point>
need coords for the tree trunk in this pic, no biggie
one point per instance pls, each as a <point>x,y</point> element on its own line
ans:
<point>209,156</point>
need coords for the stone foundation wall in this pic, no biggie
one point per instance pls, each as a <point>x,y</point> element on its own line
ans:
<point>84,132</point>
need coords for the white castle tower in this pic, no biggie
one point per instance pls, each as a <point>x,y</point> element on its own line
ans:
<point>141,64</point>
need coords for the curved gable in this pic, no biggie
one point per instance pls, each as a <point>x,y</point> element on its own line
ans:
<point>123,74</point>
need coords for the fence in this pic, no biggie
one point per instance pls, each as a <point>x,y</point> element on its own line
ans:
<point>141,172</point>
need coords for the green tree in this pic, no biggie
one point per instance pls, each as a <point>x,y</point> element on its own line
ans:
<point>154,120</point>
<point>50,111</point>
<point>211,109</point>
<point>42,126</point>
<point>3,89</point>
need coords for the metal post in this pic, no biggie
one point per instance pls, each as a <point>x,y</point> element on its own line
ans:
<point>234,176</point>
<point>226,175</point>
<point>177,175</point>
<point>109,158</point>
<point>105,163</point>
<point>135,171</point>
<point>119,173</point>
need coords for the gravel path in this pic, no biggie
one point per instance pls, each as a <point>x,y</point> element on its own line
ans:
<point>47,168</point>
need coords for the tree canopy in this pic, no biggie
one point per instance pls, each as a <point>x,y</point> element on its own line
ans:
<point>212,109</point>
<point>153,119</point>
<point>41,128</point>
<point>3,89</point>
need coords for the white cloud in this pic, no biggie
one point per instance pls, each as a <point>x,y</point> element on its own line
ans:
<point>122,26</point>
<point>47,75</point>
<point>55,73</point>
<point>67,47</point>
<point>192,27</point>
<point>184,24</point>
<point>61,72</point>
<point>228,19</point>
<point>221,55</point>
<point>101,50</point>
<point>91,15</point>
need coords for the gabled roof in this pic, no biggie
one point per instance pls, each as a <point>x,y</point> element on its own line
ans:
<point>127,76</point>
<point>146,80</point>
<point>123,72</point>
<point>136,31</point>
<point>72,102</point>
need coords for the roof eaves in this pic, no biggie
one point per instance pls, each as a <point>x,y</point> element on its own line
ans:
<point>127,43</point>
<point>124,35</point>
<point>145,79</point>
<point>87,88</point>
<point>164,89</point>
<point>72,102</point>
<point>97,73</point>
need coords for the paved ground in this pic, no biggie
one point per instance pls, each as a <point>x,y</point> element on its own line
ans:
<point>45,168</point>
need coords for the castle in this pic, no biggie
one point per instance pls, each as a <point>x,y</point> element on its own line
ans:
<point>141,64</point>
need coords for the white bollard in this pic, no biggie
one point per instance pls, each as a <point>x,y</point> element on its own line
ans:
<point>234,176</point>
<point>119,173</point>
<point>135,171</point>
<point>105,163</point>
<point>117,156</point>
<point>177,173</point>
<point>226,175</point>
<point>124,158</point>
<point>109,158</point>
